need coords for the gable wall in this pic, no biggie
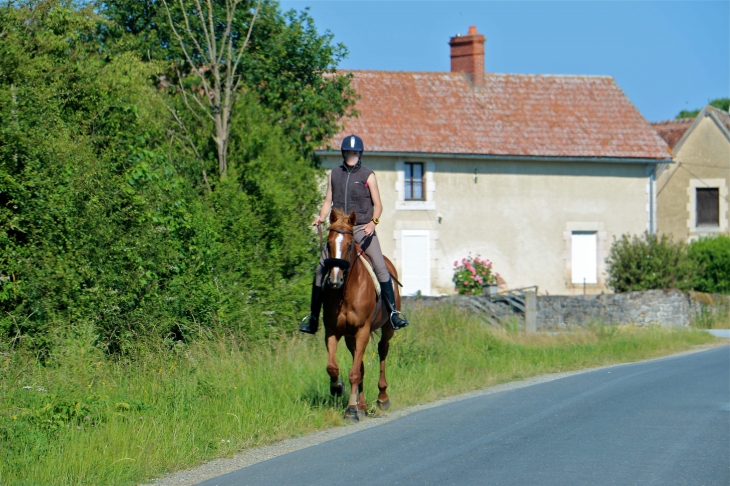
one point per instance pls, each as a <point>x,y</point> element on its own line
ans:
<point>518,214</point>
<point>702,160</point>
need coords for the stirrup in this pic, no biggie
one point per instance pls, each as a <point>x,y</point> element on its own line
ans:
<point>394,313</point>
<point>306,327</point>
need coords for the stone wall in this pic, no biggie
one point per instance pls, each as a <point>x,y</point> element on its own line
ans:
<point>664,307</point>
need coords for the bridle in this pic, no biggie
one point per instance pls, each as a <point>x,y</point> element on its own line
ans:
<point>343,264</point>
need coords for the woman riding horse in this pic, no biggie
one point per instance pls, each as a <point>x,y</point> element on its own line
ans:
<point>352,187</point>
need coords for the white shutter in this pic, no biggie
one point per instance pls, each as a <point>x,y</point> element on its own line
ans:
<point>416,262</point>
<point>584,257</point>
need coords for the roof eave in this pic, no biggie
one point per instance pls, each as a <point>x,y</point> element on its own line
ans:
<point>700,116</point>
<point>516,158</point>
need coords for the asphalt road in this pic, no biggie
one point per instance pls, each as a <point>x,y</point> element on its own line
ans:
<point>663,422</point>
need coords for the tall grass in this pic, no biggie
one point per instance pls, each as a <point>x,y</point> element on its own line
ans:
<point>80,417</point>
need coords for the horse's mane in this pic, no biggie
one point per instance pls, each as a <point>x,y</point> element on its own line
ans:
<point>340,222</point>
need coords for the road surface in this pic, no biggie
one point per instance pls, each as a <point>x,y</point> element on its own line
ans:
<point>662,422</point>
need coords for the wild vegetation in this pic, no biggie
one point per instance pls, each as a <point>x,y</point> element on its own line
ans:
<point>81,416</point>
<point>658,262</point>
<point>113,211</point>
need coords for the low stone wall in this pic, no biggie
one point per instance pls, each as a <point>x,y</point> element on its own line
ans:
<point>664,307</point>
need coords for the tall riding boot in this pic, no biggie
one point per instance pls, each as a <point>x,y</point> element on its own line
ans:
<point>397,320</point>
<point>310,324</point>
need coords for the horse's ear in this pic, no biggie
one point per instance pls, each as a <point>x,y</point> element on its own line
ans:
<point>352,219</point>
<point>333,217</point>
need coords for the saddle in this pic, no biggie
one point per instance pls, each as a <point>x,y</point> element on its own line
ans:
<point>369,267</point>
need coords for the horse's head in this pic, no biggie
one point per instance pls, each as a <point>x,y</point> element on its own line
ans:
<point>340,246</point>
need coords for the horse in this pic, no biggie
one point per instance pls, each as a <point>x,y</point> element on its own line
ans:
<point>352,311</point>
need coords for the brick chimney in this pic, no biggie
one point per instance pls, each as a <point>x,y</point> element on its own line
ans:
<point>467,56</point>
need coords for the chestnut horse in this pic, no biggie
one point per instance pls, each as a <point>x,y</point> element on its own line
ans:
<point>351,310</point>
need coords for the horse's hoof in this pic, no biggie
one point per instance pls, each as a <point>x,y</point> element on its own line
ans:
<point>384,405</point>
<point>352,415</point>
<point>336,388</point>
<point>361,414</point>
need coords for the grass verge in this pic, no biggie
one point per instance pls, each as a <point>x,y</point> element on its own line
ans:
<point>80,417</point>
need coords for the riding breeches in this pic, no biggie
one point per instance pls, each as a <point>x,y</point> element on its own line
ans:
<point>371,247</point>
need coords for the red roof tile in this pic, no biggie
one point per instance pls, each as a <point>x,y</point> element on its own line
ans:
<point>672,130</point>
<point>574,116</point>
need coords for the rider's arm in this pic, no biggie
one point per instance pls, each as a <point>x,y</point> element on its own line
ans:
<point>375,196</point>
<point>327,205</point>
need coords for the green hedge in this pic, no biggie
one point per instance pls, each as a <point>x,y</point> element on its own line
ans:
<point>713,257</point>
<point>658,262</point>
<point>104,217</point>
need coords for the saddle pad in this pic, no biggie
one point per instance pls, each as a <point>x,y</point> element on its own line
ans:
<point>370,270</point>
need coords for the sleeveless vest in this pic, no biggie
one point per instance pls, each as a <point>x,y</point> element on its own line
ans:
<point>349,192</point>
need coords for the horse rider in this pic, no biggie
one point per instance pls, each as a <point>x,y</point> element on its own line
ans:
<point>352,187</point>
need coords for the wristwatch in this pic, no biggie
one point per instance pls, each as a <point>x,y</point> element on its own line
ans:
<point>376,221</point>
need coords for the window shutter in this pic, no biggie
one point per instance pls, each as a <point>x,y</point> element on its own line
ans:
<point>708,206</point>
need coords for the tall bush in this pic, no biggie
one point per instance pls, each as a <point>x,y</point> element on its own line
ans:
<point>712,254</point>
<point>650,262</point>
<point>104,217</point>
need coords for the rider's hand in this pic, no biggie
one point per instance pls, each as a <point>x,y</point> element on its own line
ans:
<point>317,221</point>
<point>369,228</point>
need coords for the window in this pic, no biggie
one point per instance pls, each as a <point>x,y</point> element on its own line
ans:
<point>708,206</point>
<point>414,181</point>
<point>584,257</point>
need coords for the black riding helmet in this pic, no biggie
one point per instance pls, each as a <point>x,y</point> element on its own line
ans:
<point>352,142</point>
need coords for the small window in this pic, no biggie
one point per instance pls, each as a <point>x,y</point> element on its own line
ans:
<point>708,206</point>
<point>414,181</point>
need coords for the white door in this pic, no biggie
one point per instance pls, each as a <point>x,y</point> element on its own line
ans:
<point>584,257</point>
<point>416,260</point>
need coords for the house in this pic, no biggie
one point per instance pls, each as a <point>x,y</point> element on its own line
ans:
<point>692,193</point>
<point>537,173</point>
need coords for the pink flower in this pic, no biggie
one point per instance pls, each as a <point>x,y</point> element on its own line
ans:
<point>456,262</point>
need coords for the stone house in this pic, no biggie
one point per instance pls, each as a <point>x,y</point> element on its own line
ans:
<point>537,173</point>
<point>692,193</point>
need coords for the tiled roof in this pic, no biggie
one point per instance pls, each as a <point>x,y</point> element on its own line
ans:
<point>722,115</point>
<point>672,130</point>
<point>573,116</point>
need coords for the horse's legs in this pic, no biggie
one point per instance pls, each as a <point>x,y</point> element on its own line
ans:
<point>356,372</point>
<point>336,385</point>
<point>383,347</point>
<point>361,404</point>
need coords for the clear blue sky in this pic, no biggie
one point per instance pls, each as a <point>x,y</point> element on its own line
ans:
<point>667,56</point>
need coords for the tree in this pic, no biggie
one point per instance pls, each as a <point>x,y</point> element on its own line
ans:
<point>287,65</point>
<point>213,48</point>
<point>102,217</point>
<point>721,103</point>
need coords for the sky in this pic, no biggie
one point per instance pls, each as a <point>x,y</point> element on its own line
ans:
<point>666,56</point>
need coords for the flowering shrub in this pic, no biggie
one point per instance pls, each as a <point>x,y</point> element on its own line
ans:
<point>473,273</point>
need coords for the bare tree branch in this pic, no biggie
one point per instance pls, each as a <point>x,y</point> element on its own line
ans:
<point>192,149</point>
<point>219,79</point>
<point>248,36</point>
<point>183,91</point>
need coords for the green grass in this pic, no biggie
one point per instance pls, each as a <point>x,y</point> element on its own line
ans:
<point>90,419</point>
<point>715,314</point>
